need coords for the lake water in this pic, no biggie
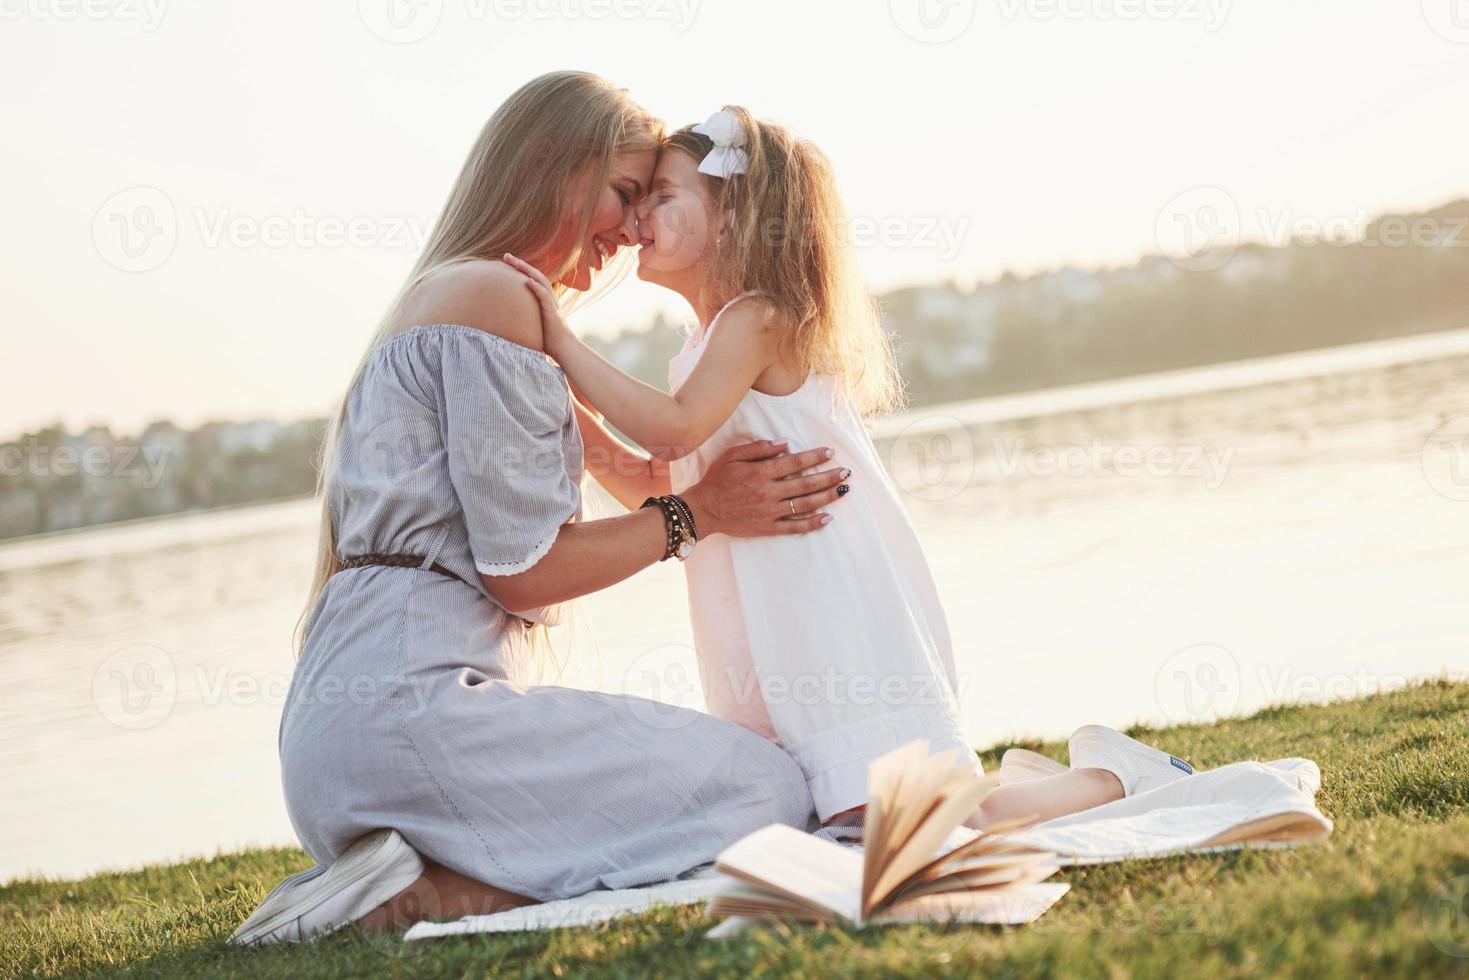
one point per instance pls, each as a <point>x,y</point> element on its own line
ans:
<point>1162,549</point>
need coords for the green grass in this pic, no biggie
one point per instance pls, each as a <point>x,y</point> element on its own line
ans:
<point>1385,896</point>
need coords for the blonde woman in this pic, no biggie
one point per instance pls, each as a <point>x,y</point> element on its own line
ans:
<point>423,769</point>
<point>833,646</point>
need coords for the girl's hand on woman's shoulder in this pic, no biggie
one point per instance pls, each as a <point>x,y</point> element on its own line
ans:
<point>557,332</point>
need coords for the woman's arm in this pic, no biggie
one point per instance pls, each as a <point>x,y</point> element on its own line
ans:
<point>743,493</point>
<point>669,426</point>
<point>627,474</point>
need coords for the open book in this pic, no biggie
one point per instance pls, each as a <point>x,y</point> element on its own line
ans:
<point>915,800</point>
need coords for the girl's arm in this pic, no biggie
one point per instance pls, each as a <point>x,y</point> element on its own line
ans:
<point>667,425</point>
<point>627,474</point>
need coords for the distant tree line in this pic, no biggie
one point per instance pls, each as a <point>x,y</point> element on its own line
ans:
<point>1012,334</point>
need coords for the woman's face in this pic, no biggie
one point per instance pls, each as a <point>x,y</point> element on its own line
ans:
<point>674,221</point>
<point>614,221</point>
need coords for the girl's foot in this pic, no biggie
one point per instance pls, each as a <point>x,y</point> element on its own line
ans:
<point>1137,766</point>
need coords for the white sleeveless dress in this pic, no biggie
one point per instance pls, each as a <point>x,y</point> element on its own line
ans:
<point>831,644</point>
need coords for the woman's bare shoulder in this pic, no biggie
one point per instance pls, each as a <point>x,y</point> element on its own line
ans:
<point>484,294</point>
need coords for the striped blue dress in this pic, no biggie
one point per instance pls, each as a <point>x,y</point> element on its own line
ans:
<point>414,704</point>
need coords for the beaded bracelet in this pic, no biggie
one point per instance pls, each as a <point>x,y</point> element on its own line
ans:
<point>678,520</point>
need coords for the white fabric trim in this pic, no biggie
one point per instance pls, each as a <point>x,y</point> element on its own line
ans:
<point>512,567</point>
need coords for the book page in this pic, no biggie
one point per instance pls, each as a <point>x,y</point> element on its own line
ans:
<point>885,787</point>
<point>806,869</point>
<point>1007,907</point>
<point>957,801</point>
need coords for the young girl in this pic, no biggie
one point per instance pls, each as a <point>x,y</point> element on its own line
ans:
<point>832,645</point>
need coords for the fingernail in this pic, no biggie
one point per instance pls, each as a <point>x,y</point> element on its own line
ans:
<point>842,489</point>
<point>824,519</point>
<point>846,472</point>
<point>829,453</point>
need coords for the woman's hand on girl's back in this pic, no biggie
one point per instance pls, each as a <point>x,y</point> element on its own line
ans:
<point>754,490</point>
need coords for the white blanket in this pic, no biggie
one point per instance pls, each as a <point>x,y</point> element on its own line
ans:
<point>1246,804</point>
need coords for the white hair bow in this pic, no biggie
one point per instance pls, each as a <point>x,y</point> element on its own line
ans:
<point>728,135</point>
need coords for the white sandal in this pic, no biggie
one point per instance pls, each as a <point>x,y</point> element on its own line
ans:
<point>315,902</point>
<point>1021,764</point>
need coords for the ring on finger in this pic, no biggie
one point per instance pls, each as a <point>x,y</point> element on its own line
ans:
<point>793,507</point>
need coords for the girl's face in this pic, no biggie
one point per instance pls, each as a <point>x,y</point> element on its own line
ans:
<point>614,222</point>
<point>675,222</point>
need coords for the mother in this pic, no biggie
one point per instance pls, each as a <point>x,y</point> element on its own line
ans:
<point>423,771</point>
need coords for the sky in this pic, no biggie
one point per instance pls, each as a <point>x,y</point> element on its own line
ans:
<point>205,206</point>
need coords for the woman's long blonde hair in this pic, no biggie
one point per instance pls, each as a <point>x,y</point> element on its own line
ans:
<point>511,195</point>
<point>788,239</point>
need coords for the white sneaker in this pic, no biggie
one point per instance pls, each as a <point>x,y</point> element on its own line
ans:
<point>1021,764</point>
<point>320,900</point>
<point>1305,772</point>
<point>1137,766</point>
